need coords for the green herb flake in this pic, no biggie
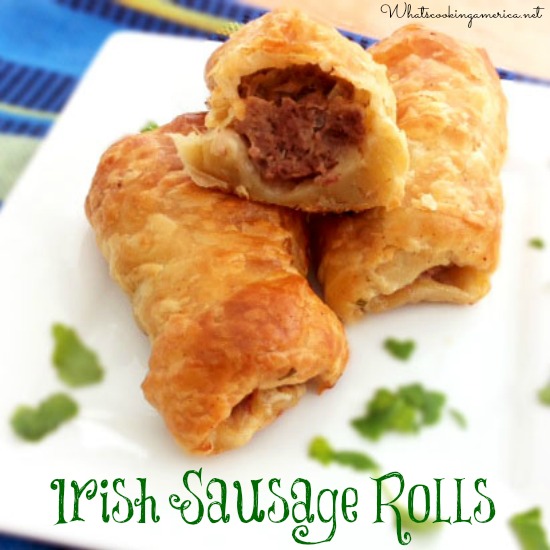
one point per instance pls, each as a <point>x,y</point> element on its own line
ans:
<point>406,411</point>
<point>400,349</point>
<point>528,528</point>
<point>32,424</point>
<point>149,127</point>
<point>544,395</point>
<point>536,242</point>
<point>320,450</point>
<point>459,418</point>
<point>76,364</point>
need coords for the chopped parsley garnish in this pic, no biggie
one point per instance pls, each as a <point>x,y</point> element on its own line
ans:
<point>76,364</point>
<point>528,528</point>
<point>320,450</point>
<point>405,411</point>
<point>32,424</point>
<point>400,349</point>
<point>149,127</point>
<point>544,395</point>
<point>536,242</point>
<point>459,418</point>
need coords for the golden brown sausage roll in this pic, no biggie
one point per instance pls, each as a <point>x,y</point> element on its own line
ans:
<point>301,117</point>
<point>218,284</point>
<point>443,243</point>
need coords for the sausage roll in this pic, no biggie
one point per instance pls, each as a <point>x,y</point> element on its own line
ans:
<point>218,284</point>
<point>301,117</point>
<point>442,244</point>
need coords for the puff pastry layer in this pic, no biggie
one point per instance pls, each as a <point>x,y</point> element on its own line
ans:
<point>442,244</point>
<point>218,284</point>
<point>301,117</point>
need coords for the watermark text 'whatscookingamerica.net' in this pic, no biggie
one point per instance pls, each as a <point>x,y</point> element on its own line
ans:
<point>406,10</point>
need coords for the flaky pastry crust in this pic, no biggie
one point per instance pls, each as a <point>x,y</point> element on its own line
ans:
<point>369,175</point>
<point>218,284</point>
<point>442,244</point>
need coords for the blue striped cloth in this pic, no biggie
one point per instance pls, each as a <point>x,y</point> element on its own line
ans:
<point>41,73</point>
<point>12,543</point>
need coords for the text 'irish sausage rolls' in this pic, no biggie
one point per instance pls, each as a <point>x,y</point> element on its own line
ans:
<point>442,244</point>
<point>300,116</point>
<point>218,284</point>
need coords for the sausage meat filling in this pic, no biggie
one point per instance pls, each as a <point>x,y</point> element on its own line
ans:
<point>297,120</point>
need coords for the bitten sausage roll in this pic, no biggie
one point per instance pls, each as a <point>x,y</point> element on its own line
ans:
<point>218,284</point>
<point>443,243</point>
<point>301,117</point>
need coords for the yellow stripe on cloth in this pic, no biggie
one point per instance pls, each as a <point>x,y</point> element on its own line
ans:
<point>184,16</point>
<point>24,112</point>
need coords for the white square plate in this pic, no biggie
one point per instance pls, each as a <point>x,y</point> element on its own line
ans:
<point>489,359</point>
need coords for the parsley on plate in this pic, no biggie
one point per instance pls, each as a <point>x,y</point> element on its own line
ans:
<point>33,423</point>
